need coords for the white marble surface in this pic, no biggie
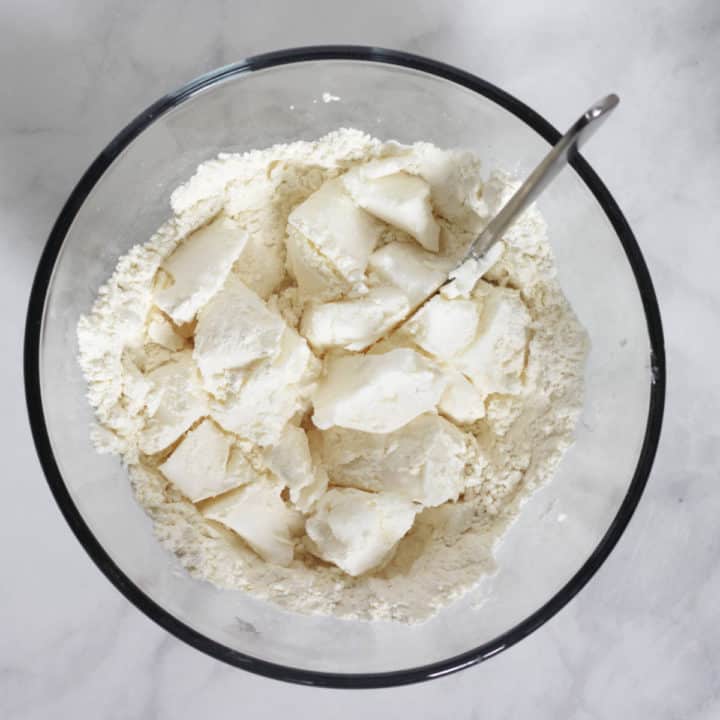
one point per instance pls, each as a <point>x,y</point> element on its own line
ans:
<point>643,639</point>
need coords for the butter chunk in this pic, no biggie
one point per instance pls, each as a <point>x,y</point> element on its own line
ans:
<point>315,277</point>
<point>261,265</point>
<point>399,199</point>
<point>495,360</point>
<point>376,393</point>
<point>239,471</point>
<point>259,516</point>
<point>198,466</point>
<point>357,530</point>
<point>454,179</point>
<point>305,498</point>
<point>234,329</point>
<point>342,234</point>
<point>354,324</point>
<point>161,332</point>
<point>199,266</point>
<point>272,393</point>
<point>462,402</point>
<point>291,462</point>
<point>443,327</point>
<point>452,175</point>
<point>175,402</point>
<point>416,272</point>
<point>423,461</point>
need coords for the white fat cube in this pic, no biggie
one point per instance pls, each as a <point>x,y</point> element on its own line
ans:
<point>234,329</point>
<point>198,268</point>
<point>400,199</point>
<point>413,270</point>
<point>290,460</point>
<point>343,234</point>
<point>272,393</point>
<point>259,515</point>
<point>354,324</point>
<point>174,403</point>
<point>315,277</point>
<point>161,331</point>
<point>462,402</point>
<point>444,327</point>
<point>356,530</point>
<point>423,461</point>
<point>376,393</point>
<point>454,179</point>
<point>305,498</point>
<point>198,466</point>
<point>239,471</point>
<point>495,360</point>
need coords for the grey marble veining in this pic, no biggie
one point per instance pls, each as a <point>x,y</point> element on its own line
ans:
<point>643,639</point>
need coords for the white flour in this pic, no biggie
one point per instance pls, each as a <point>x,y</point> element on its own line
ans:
<point>522,438</point>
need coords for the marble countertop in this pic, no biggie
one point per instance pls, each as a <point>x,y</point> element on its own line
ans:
<point>642,640</point>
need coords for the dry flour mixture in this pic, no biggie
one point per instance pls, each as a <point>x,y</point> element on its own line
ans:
<point>287,432</point>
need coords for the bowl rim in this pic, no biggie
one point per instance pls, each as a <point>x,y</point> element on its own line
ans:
<point>122,582</point>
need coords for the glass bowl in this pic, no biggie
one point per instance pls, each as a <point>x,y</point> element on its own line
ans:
<point>564,532</point>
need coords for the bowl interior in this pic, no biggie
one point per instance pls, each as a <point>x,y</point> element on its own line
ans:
<point>559,527</point>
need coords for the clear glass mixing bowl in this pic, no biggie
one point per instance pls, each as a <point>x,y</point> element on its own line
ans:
<point>566,530</point>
